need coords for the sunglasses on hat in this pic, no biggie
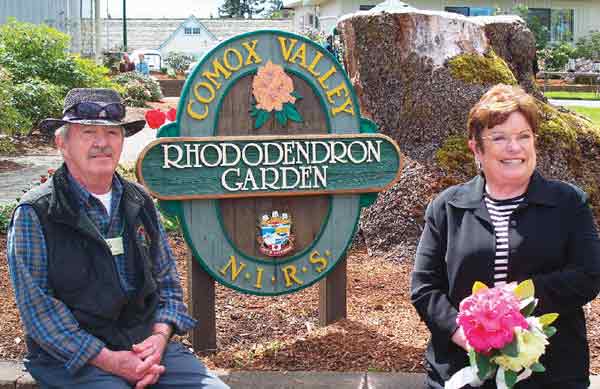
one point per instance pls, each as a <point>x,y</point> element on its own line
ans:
<point>91,110</point>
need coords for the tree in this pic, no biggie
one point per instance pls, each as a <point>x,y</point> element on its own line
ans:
<point>274,9</point>
<point>241,8</point>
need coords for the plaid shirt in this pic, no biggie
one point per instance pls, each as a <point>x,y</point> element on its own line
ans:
<point>49,321</point>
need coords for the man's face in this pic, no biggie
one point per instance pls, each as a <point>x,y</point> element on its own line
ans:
<point>91,151</point>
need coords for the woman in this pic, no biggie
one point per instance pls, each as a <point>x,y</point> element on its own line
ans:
<point>508,224</point>
<point>126,65</point>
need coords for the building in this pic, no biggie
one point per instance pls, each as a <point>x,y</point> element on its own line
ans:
<point>192,35</point>
<point>69,16</point>
<point>564,19</point>
<point>323,14</point>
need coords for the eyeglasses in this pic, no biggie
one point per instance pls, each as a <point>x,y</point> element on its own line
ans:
<point>90,110</point>
<point>502,140</point>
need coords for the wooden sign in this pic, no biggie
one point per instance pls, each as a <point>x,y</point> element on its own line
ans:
<point>268,163</point>
<point>231,167</point>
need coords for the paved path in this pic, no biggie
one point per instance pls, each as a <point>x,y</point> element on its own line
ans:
<point>13,183</point>
<point>13,376</point>
<point>581,103</point>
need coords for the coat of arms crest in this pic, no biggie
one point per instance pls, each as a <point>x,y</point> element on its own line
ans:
<point>275,236</point>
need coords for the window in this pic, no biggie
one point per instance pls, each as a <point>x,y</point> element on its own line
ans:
<point>471,11</point>
<point>192,30</point>
<point>365,7</point>
<point>558,23</point>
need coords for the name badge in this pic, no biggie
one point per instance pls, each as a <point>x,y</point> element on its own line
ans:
<point>115,245</point>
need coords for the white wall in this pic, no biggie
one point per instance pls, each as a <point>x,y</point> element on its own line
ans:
<point>586,12</point>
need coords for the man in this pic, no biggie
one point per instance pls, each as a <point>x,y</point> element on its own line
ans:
<point>94,278</point>
<point>142,66</point>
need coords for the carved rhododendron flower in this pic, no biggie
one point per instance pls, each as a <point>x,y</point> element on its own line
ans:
<point>272,88</point>
<point>489,318</point>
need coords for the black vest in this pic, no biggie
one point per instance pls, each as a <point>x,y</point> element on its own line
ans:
<point>81,269</point>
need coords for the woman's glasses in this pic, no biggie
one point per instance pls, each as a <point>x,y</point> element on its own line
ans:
<point>89,110</point>
<point>500,139</point>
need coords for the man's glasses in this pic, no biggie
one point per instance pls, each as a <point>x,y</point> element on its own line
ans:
<point>524,138</point>
<point>89,110</point>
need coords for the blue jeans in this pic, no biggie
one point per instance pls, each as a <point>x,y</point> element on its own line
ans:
<point>182,370</point>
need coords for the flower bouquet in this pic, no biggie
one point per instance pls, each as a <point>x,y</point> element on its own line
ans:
<point>503,339</point>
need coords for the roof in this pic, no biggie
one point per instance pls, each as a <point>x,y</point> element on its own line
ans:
<point>192,18</point>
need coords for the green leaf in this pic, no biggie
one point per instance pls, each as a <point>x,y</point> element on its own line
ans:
<point>529,308</point>
<point>549,331</point>
<point>296,95</point>
<point>281,117</point>
<point>253,111</point>
<point>510,377</point>
<point>538,368</point>
<point>261,118</point>
<point>483,366</point>
<point>292,113</point>
<point>511,349</point>
<point>472,357</point>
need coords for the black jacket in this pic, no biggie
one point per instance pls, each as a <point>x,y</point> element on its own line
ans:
<point>552,240</point>
<point>81,268</point>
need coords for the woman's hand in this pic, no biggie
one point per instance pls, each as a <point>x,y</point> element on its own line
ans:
<point>459,338</point>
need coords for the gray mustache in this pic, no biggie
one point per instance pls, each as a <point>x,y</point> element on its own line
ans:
<point>101,151</point>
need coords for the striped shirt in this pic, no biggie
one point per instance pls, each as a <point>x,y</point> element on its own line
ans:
<point>500,212</point>
<point>48,320</point>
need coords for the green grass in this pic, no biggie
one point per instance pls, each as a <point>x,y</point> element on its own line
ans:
<point>592,113</point>
<point>572,95</point>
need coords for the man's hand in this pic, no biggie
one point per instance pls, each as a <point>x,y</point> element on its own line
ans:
<point>151,351</point>
<point>126,364</point>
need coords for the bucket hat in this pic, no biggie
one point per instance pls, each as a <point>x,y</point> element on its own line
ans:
<point>93,106</point>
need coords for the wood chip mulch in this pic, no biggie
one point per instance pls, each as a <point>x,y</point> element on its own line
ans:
<point>382,331</point>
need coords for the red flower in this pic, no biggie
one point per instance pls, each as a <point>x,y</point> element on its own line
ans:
<point>171,114</point>
<point>155,118</point>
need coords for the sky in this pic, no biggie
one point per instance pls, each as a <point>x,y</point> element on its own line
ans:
<point>161,8</point>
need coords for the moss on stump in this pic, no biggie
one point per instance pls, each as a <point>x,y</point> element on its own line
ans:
<point>481,69</point>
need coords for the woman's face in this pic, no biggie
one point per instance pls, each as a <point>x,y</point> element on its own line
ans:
<point>508,156</point>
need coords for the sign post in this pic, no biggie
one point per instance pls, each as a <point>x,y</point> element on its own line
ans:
<point>267,167</point>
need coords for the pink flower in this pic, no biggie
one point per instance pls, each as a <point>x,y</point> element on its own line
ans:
<point>489,317</point>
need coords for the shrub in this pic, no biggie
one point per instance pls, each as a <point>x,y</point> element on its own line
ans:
<point>6,212</point>
<point>37,71</point>
<point>37,99</point>
<point>556,56</point>
<point>179,62</point>
<point>38,51</point>
<point>11,120</point>
<point>589,46</point>
<point>138,89</point>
